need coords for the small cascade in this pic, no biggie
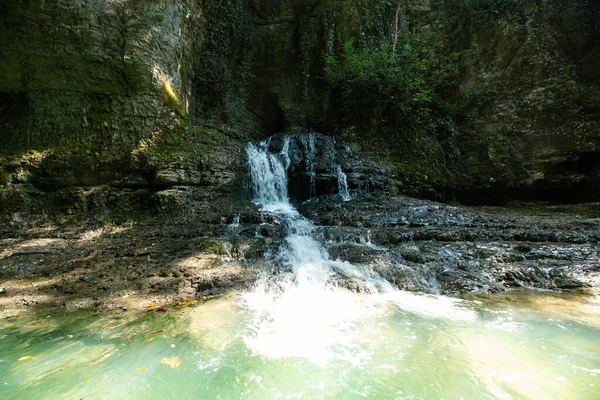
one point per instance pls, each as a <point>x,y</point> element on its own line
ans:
<point>301,253</point>
<point>234,227</point>
<point>304,309</point>
<point>268,175</point>
<point>310,149</point>
<point>366,240</point>
<point>342,183</point>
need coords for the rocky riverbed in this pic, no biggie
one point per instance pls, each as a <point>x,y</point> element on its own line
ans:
<point>417,245</point>
<point>148,249</point>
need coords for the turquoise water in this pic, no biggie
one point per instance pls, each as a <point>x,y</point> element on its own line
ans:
<point>521,346</point>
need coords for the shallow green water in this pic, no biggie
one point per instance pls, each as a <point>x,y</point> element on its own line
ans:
<point>522,346</point>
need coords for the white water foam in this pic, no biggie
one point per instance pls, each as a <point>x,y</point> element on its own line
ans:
<point>302,311</point>
<point>342,184</point>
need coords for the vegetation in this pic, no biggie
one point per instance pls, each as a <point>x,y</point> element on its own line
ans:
<point>407,78</point>
<point>483,8</point>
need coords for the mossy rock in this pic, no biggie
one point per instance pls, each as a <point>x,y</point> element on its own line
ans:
<point>210,246</point>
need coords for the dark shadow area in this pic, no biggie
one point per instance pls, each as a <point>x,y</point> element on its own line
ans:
<point>501,196</point>
<point>576,180</point>
<point>272,118</point>
<point>14,109</point>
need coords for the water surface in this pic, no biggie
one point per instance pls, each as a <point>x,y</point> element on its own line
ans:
<point>525,345</point>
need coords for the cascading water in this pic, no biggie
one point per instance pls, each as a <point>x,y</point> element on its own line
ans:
<point>234,227</point>
<point>311,151</point>
<point>268,175</point>
<point>304,311</point>
<point>342,184</point>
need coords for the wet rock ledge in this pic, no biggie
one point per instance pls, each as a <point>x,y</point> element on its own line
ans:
<point>427,246</point>
<point>151,247</point>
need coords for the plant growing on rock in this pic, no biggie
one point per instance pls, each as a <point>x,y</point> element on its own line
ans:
<point>404,75</point>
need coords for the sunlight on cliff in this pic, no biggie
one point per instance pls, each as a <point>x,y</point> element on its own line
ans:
<point>170,97</point>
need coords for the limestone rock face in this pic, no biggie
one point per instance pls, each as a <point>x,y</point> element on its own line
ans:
<point>154,93</point>
<point>525,119</point>
<point>82,69</point>
<point>534,91</point>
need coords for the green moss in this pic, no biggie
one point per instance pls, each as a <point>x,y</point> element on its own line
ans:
<point>188,144</point>
<point>211,247</point>
<point>4,176</point>
<point>170,98</point>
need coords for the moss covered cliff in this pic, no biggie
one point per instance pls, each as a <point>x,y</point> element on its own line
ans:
<point>150,95</point>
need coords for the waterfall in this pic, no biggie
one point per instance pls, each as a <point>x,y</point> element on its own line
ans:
<point>234,227</point>
<point>303,311</point>
<point>301,253</point>
<point>342,183</point>
<point>268,175</point>
<point>310,148</point>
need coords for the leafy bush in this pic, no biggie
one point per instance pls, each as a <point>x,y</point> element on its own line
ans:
<point>406,76</point>
<point>487,8</point>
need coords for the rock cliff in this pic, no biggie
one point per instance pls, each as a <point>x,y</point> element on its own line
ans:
<point>138,98</point>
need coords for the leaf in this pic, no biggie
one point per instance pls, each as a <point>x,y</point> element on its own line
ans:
<point>26,358</point>
<point>9,325</point>
<point>173,362</point>
<point>150,305</point>
<point>87,378</point>
<point>37,323</point>
<point>70,336</point>
<point>149,340</point>
<point>159,331</point>
<point>143,369</point>
<point>63,368</point>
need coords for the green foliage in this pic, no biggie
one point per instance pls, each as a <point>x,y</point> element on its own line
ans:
<point>406,78</point>
<point>483,7</point>
<point>4,177</point>
<point>212,247</point>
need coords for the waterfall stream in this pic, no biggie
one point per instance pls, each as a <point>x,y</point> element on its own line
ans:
<point>303,310</point>
<point>342,184</point>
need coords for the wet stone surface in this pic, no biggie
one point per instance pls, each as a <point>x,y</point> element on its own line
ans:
<point>188,241</point>
<point>417,245</point>
<point>425,246</point>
